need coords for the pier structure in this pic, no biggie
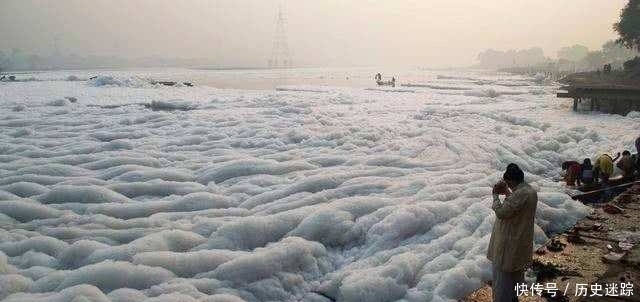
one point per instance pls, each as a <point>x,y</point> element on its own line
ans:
<point>606,94</point>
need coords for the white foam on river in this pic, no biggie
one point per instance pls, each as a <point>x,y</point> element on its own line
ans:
<point>141,192</point>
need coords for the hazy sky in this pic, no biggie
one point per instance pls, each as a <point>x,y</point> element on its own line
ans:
<point>429,33</point>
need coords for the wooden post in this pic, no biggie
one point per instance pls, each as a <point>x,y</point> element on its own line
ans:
<point>625,106</point>
<point>575,104</point>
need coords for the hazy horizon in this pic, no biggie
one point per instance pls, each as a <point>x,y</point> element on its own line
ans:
<point>328,33</point>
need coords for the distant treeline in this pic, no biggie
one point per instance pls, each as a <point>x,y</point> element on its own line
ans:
<point>572,58</point>
<point>17,60</point>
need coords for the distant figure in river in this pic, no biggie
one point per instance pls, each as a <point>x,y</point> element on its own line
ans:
<point>511,244</point>
<point>604,165</point>
<point>586,172</point>
<point>378,77</point>
<point>393,81</point>
<point>573,171</point>
<point>627,166</point>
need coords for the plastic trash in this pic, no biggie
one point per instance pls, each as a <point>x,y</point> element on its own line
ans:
<point>612,257</point>
<point>530,276</point>
<point>625,246</point>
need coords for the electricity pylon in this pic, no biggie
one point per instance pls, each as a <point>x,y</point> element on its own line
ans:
<point>280,56</point>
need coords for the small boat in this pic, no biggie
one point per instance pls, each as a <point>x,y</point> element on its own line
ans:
<point>171,83</point>
<point>592,193</point>
<point>597,186</point>
<point>386,83</point>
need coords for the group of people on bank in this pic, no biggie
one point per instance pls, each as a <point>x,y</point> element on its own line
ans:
<point>602,169</point>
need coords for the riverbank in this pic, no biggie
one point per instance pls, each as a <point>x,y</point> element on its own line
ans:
<point>552,74</point>
<point>601,249</point>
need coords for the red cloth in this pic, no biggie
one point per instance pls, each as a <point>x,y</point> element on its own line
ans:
<point>573,172</point>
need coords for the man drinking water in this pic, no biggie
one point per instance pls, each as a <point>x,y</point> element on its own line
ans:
<point>511,244</point>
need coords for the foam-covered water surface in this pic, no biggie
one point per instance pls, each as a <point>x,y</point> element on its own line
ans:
<point>116,189</point>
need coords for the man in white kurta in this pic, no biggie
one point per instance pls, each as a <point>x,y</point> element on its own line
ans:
<point>511,244</point>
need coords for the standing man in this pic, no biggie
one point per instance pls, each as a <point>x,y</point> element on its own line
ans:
<point>511,244</point>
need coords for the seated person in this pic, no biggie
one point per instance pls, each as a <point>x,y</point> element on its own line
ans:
<point>627,166</point>
<point>586,175</point>
<point>636,158</point>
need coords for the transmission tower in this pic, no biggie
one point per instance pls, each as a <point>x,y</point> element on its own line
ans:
<point>280,57</point>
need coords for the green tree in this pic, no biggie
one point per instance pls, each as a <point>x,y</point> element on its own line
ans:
<point>629,25</point>
<point>614,52</point>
